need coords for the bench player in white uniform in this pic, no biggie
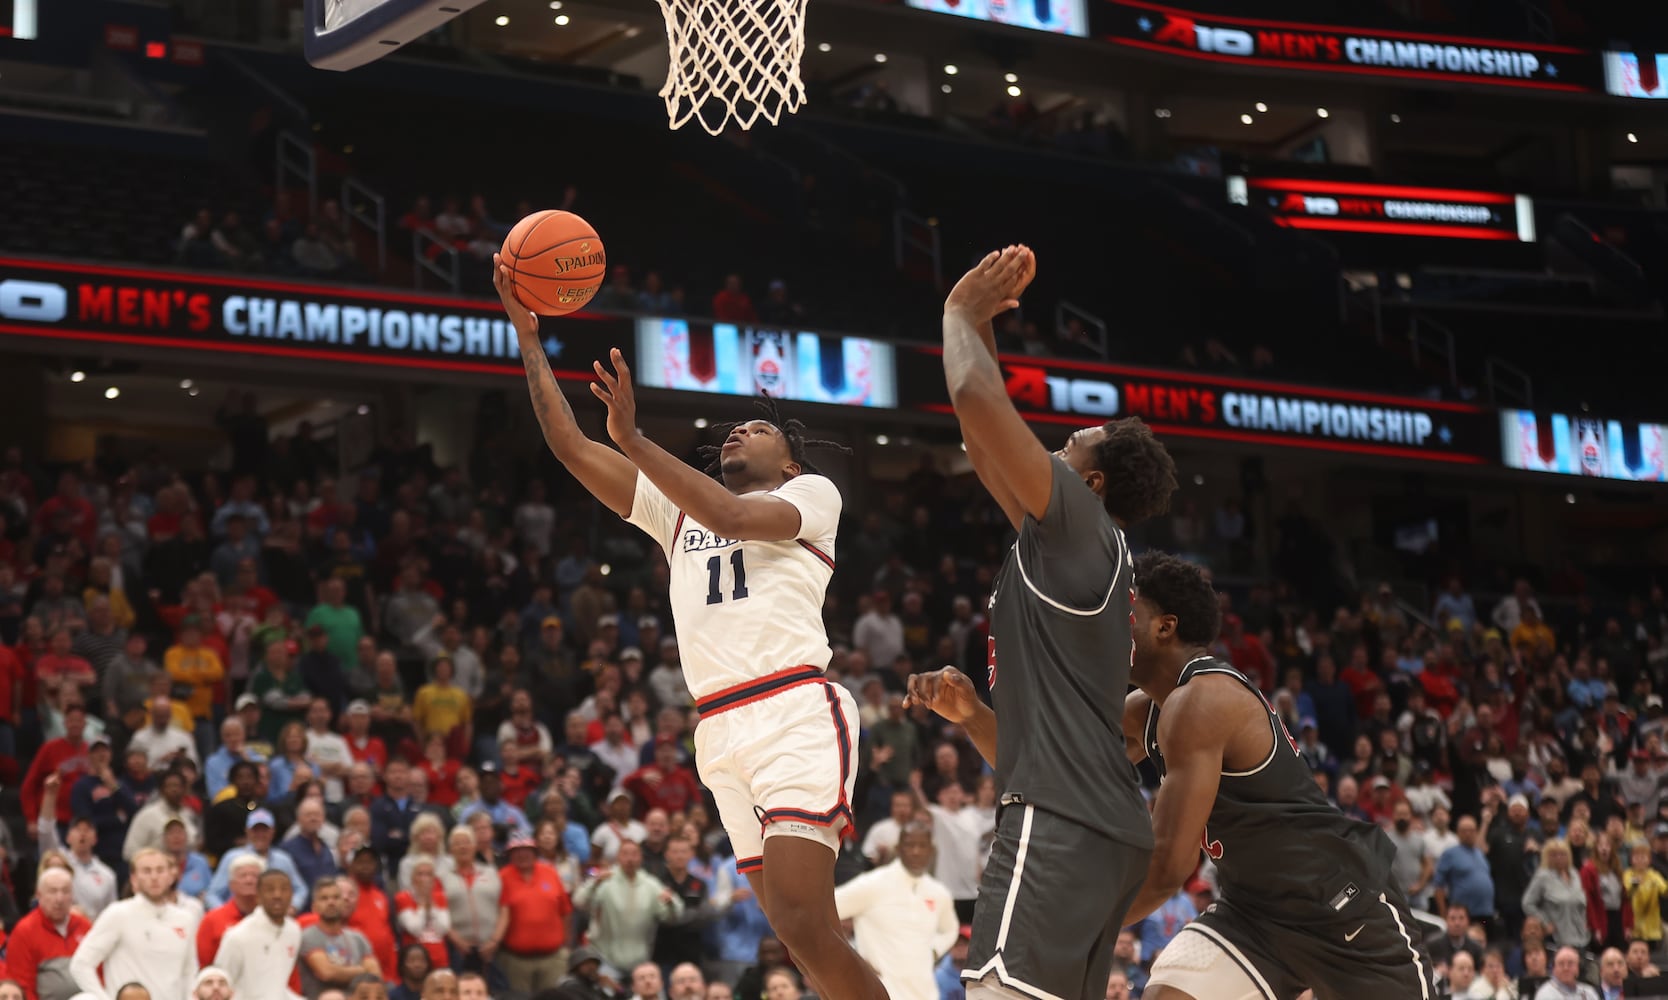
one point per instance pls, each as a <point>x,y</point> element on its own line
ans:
<point>750,557</point>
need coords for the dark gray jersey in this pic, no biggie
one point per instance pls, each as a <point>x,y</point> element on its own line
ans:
<point>1059,660</point>
<point>1280,847</point>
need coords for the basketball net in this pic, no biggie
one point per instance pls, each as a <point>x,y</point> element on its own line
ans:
<point>733,60</point>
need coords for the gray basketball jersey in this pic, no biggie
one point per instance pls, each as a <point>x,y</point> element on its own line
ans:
<point>1059,659</point>
<point>1281,848</point>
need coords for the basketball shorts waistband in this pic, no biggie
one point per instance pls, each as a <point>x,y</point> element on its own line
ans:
<point>757,690</point>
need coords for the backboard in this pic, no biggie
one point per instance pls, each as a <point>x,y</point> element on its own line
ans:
<point>343,34</point>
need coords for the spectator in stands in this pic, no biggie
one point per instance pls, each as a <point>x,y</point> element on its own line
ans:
<point>127,681</point>
<point>234,244</point>
<point>340,621</point>
<point>327,753</point>
<point>451,223</point>
<point>283,697</point>
<point>225,822</point>
<point>731,304</point>
<point>331,953</point>
<point>233,750</point>
<point>313,254</point>
<point>584,980</point>
<point>370,912</point>
<point>1508,613</point>
<point>442,709</point>
<point>653,298</point>
<point>878,632</point>
<point>425,922</point>
<point>617,292</point>
<point>420,217</point>
<point>274,248</point>
<point>626,906</point>
<point>1612,974</point>
<point>1555,897</point>
<point>196,247</point>
<point>1455,604</point>
<point>160,740</point>
<point>777,308</point>
<point>195,669</point>
<point>535,954</point>
<point>168,805</point>
<point>474,895</point>
<point>41,945</point>
<point>665,784</point>
<point>1565,983</point>
<point>312,856</point>
<point>259,834</point>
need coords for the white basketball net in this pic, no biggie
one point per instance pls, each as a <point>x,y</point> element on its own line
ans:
<point>733,60</point>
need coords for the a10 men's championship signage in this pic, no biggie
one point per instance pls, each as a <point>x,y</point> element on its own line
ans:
<point>282,319</point>
<point>1188,404</point>
<point>1324,48</point>
<point>1393,209</point>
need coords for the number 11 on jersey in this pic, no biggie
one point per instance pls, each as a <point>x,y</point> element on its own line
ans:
<point>738,570</point>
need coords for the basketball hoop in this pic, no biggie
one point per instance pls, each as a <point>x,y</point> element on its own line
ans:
<point>733,60</point>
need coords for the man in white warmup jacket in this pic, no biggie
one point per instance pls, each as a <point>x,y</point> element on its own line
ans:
<point>144,939</point>
<point>903,918</point>
<point>260,952</point>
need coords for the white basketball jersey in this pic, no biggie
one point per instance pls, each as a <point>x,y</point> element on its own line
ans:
<point>745,609</point>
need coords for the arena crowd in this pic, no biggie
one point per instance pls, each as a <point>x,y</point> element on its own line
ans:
<point>426,735</point>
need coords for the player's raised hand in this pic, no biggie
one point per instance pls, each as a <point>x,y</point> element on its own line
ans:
<point>526,323</point>
<point>616,391</point>
<point>994,284</point>
<point>947,692</point>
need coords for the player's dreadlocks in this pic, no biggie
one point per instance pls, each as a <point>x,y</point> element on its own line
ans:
<point>1180,588</point>
<point>793,432</point>
<point>1140,475</point>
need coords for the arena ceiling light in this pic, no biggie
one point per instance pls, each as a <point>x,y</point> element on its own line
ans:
<point>1161,112</point>
<point>824,47</point>
<point>1246,119</point>
<point>1014,91</point>
<point>880,57</point>
<point>945,88</point>
<point>78,376</point>
<point>1261,107</point>
<point>1011,77</point>
<point>1632,137</point>
<point>112,392</point>
<point>1395,119</point>
<point>555,4</point>
<point>562,20</point>
<point>882,440</point>
<point>186,383</point>
<point>950,69</point>
<point>502,20</point>
<point>1322,113</point>
<point>701,423</point>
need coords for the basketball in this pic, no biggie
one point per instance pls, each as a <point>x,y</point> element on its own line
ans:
<point>556,262</point>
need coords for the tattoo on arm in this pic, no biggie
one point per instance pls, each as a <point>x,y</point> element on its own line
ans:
<point>541,384</point>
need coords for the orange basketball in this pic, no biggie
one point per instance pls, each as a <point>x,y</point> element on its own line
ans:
<point>556,262</point>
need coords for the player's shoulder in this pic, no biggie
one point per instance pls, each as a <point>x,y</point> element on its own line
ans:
<point>1208,697</point>
<point>809,483</point>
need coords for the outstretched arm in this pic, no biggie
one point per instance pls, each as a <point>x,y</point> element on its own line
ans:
<point>608,475</point>
<point>1192,734</point>
<point>949,693</point>
<point>757,517</point>
<point>1008,458</point>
